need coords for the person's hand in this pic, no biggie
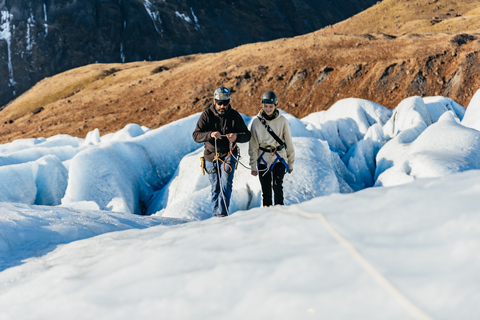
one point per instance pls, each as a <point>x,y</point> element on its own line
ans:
<point>216,135</point>
<point>232,137</point>
<point>290,170</point>
<point>254,173</point>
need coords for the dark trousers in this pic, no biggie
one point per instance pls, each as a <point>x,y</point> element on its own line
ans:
<point>272,180</point>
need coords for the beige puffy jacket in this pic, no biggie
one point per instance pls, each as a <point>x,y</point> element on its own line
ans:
<point>261,138</point>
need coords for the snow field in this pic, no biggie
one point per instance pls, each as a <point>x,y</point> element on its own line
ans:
<point>73,243</point>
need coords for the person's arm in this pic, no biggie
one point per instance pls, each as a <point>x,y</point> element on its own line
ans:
<point>243,134</point>
<point>201,134</point>
<point>253,149</point>
<point>289,142</point>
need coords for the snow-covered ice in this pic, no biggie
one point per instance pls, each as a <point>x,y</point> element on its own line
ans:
<point>119,226</point>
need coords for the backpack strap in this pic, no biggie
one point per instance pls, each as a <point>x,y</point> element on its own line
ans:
<point>272,133</point>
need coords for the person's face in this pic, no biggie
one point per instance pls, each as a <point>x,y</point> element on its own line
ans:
<point>268,108</point>
<point>221,106</point>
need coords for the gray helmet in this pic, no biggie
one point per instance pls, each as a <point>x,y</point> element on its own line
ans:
<point>269,97</point>
<point>221,94</point>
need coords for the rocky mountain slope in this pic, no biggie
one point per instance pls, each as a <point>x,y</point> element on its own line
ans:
<point>39,39</point>
<point>309,73</point>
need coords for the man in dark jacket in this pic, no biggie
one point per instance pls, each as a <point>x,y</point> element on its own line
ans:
<point>220,127</point>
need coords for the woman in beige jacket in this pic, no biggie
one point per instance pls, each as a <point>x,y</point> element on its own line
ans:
<point>271,154</point>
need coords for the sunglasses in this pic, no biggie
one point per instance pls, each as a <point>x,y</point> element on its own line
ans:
<point>222,102</point>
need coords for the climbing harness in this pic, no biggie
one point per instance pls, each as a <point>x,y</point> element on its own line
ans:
<point>228,168</point>
<point>218,159</point>
<point>272,150</point>
<point>204,167</point>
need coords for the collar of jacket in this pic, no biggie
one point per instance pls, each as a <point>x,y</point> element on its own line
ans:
<point>274,115</point>
<point>214,110</point>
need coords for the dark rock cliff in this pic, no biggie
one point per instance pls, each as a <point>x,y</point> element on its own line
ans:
<point>45,37</point>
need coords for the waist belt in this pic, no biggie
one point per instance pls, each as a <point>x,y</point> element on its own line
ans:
<point>272,149</point>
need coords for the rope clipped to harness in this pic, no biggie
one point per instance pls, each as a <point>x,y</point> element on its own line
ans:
<point>273,152</point>
<point>226,167</point>
<point>218,159</point>
<point>225,164</point>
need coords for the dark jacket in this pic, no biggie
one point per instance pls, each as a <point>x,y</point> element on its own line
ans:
<point>210,121</point>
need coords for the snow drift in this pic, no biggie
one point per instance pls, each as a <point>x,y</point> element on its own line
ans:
<point>354,145</point>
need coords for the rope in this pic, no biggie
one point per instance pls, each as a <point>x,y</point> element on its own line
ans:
<point>367,266</point>
<point>238,161</point>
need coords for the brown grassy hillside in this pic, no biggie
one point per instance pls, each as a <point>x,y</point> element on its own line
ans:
<point>309,73</point>
<point>400,17</point>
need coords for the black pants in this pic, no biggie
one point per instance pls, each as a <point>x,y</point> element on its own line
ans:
<point>266,180</point>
